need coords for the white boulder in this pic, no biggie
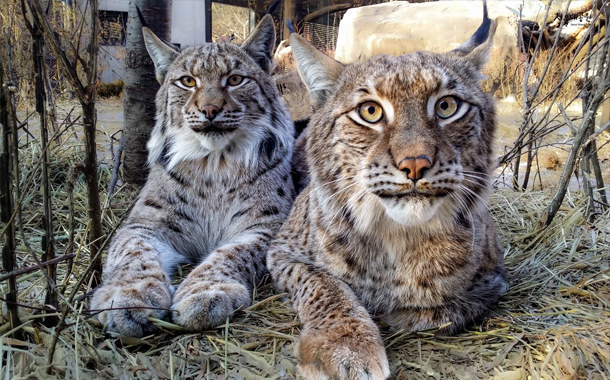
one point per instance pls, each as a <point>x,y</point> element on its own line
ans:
<point>400,27</point>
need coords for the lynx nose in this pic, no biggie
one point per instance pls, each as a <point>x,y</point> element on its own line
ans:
<point>209,111</point>
<point>415,167</point>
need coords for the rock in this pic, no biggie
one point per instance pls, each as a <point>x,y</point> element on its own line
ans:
<point>399,27</point>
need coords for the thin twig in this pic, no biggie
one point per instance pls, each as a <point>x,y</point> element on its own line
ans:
<point>33,268</point>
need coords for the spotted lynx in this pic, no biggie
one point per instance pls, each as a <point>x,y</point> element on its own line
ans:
<point>393,224</point>
<point>219,188</point>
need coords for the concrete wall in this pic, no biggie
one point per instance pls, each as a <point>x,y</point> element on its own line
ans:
<point>110,60</point>
<point>113,5</point>
<point>188,29</point>
<point>188,22</point>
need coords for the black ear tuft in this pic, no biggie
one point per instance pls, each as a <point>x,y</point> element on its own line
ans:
<point>273,6</point>
<point>482,32</point>
<point>290,26</point>
<point>478,47</point>
<point>141,17</point>
<point>479,37</point>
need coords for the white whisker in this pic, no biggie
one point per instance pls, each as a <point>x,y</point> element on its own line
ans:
<point>472,195</point>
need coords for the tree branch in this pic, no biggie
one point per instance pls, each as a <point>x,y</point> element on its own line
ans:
<point>329,9</point>
<point>33,268</point>
<point>42,22</point>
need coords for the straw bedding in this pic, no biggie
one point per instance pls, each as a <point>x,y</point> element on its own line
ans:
<point>552,324</point>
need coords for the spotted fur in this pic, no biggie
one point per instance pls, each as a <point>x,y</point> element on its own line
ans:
<point>394,223</point>
<point>219,189</point>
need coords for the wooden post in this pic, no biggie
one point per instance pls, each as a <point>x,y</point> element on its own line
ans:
<point>208,20</point>
<point>48,239</point>
<point>291,12</point>
<point>6,199</point>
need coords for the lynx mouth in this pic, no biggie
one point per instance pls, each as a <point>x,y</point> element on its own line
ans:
<point>414,194</point>
<point>212,129</point>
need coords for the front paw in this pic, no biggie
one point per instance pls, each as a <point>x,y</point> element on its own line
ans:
<point>201,305</point>
<point>353,352</point>
<point>131,303</point>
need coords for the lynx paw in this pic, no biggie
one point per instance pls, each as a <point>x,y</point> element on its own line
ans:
<point>342,354</point>
<point>136,302</point>
<point>200,305</point>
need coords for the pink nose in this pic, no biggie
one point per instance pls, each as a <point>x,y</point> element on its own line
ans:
<point>415,166</point>
<point>209,111</point>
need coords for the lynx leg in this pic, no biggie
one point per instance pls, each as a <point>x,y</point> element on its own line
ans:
<point>221,284</point>
<point>339,340</point>
<point>136,287</point>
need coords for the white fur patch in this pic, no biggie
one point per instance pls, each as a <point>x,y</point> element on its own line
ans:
<point>411,212</point>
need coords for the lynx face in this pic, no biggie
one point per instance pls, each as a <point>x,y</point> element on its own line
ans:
<point>217,89</point>
<point>219,102</point>
<point>412,139</point>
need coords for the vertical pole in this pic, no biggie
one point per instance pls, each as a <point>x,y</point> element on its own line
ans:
<point>290,13</point>
<point>252,21</point>
<point>6,199</point>
<point>48,239</point>
<point>208,20</point>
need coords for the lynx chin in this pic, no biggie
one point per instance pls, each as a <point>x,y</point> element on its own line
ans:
<point>393,225</point>
<point>219,188</point>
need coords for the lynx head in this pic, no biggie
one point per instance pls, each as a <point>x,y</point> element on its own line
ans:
<point>406,140</point>
<point>218,101</point>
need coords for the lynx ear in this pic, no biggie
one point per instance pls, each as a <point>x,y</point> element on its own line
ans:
<point>318,71</point>
<point>259,44</point>
<point>478,47</point>
<point>161,53</point>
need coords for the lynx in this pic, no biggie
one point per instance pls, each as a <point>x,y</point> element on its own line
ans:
<point>393,225</point>
<point>219,188</point>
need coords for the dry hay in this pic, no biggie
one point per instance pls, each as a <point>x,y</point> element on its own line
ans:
<point>552,324</point>
<point>552,161</point>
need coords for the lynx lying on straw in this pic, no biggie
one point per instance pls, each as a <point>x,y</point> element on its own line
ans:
<point>394,223</point>
<point>218,190</point>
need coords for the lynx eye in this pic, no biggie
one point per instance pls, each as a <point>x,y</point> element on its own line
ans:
<point>235,79</point>
<point>447,107</point>
<point>188,81</point>
<point>370,111</point>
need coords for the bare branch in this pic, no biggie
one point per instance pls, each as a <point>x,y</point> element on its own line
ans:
<point>329,9</point>
<point>43,24</point>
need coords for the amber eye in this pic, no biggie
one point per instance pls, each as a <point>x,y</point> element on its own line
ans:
<point>370,111</point>
<point>234,80</point>
<point>188,81</point>
<point>447,107</point>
